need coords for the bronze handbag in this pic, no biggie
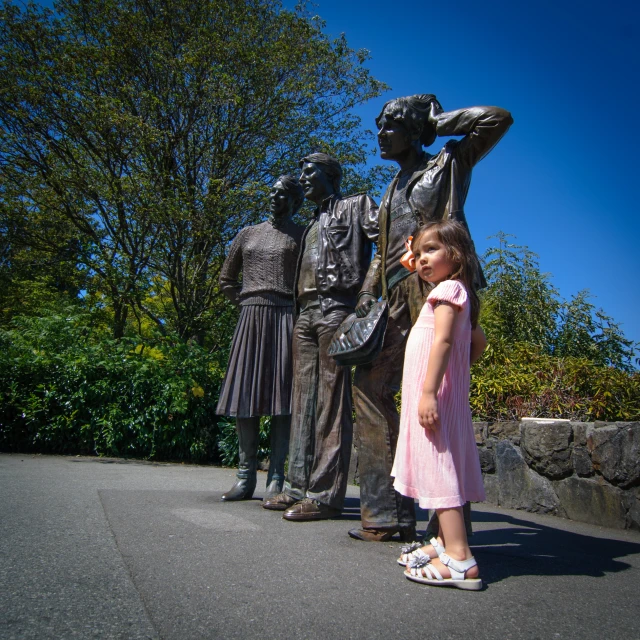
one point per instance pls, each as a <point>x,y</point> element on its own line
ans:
<point>359,340</point>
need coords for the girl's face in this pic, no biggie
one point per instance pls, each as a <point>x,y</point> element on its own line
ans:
<point>432,262</point>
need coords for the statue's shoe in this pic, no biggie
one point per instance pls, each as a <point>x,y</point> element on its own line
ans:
<point>242,490</point>
<point>407,534</point>
<point>310,509</point>
<point>280,502</point>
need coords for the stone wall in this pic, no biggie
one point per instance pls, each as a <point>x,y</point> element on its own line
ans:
<point>584,471</point>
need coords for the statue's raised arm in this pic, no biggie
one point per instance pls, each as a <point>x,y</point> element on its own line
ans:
<point>427,187</point>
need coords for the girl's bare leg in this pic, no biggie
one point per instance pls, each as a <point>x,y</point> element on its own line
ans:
<point>453,532</point>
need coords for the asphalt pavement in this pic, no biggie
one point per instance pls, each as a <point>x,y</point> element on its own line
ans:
<point>98,548</point>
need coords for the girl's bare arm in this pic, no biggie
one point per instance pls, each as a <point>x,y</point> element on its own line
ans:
<point>478,343</point>
<point>445,316</point>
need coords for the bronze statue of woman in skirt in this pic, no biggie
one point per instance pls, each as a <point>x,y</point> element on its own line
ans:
<point>258,276</point>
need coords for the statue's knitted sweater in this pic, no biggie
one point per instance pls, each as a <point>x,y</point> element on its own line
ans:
<point>266,256</point>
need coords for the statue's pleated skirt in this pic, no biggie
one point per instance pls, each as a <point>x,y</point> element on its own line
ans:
<point>259,375</point>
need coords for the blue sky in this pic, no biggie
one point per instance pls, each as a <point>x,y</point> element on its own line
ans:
<point>564,179</point>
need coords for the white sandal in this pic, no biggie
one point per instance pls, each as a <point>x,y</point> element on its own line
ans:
<point>414,550</point>
<point>426,573</point>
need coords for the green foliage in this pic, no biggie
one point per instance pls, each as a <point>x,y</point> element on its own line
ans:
<point>548,357</point>
<point>68,387</point>
<point>586,332</point>
<point>151,132</point>
<point>517,380</point>
<point>136,140</point>
<point>31,278</point>
<point>520,305</point>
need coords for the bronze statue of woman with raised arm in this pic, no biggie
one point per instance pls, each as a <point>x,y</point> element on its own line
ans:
<point>427,187</point>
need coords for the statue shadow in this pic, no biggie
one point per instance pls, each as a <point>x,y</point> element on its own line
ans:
<point>524,547</point>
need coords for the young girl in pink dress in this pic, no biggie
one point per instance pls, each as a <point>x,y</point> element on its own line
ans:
<point>436,458</point>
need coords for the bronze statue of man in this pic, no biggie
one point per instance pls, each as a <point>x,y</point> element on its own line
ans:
<point>427,187</point>
<point>336,252</point>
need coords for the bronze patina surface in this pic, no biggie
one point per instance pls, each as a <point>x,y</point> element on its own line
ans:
<point>427,187</point>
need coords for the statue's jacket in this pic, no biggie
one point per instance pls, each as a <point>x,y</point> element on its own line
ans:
<point>439,186</point>
<point>347,232</point>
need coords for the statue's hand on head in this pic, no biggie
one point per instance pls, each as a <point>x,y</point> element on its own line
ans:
<point>365,302</point>
<point>434,112</point>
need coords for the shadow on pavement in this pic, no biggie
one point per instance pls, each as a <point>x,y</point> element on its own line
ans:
<point>524,547</point>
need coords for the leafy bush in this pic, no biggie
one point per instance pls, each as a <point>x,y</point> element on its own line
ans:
<point>67,387</point>
<point>512,381</point>
<point>548,357</point>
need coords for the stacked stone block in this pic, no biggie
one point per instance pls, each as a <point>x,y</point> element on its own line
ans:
<point>589,472</point>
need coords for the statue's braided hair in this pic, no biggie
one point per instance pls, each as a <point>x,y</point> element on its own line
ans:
<point>413,112</point>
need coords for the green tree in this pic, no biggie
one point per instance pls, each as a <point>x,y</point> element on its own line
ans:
<point>587,332</point>
<point>519,303</point>
<point>530,326</point>
<point>31,277</point>
<point>547,357</point>
<point>153,129</point>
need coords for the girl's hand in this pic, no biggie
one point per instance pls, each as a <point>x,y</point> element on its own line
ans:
<point>428,416</point>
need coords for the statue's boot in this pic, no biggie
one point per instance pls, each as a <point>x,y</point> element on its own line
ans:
<point>280,428</point>
<point>248,435</point>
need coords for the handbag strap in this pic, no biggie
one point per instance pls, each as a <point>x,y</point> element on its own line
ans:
<point>383,263</point>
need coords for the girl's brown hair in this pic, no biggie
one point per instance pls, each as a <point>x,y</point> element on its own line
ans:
<point>460,250</point>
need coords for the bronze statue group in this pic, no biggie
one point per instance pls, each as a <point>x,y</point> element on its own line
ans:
<point>295,287</point>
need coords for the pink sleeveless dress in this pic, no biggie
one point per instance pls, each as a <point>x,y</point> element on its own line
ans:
<point>441,469</point>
